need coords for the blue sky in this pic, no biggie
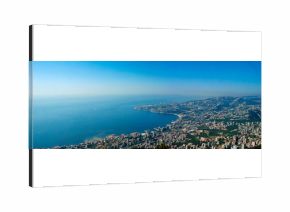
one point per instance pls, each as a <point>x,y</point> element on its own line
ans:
<point>188,78</point>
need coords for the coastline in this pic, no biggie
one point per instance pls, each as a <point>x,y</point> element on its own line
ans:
<point>101,117</point>
<point>116,135</point>
<point>178,117</point>
<point>220,126</point>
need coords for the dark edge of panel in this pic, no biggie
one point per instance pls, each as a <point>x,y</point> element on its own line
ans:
<point>30,42</point>
<point>30,107</point>
<point>30,168</point>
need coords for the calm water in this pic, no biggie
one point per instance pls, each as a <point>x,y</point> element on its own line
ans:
<point>63,121</point>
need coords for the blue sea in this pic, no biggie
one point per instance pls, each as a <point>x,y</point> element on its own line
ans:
<point>58,121</point>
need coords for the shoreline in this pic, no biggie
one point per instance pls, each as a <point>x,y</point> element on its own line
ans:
<point>126,134</point>
<point>183,132</point>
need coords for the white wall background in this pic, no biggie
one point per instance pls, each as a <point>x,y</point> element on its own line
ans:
<point>271,192</point>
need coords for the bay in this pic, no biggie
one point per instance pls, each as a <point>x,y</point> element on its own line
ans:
<point>58,121</point>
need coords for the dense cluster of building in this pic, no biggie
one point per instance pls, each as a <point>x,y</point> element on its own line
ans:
<point>213,123</point>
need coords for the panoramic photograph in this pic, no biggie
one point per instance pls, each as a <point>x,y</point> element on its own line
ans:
<point>145,105</point>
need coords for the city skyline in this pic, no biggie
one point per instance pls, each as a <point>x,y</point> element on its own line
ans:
<point>189,78</point>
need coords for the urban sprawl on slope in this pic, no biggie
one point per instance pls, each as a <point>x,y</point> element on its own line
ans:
<point>213,123</point>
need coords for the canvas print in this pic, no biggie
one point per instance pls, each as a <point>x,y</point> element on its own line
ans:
<point>146,105</point>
